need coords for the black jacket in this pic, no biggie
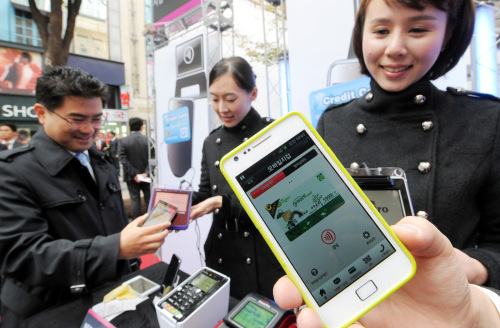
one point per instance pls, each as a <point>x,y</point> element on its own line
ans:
<point>49,206</point>
<point>133,155</point>
<point>234,246</point>
<point>456,132</point>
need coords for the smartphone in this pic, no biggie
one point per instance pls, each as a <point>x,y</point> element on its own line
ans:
<point>161,212</point>
<point>327,235</point>
<point>171,276</point>
<point>179,198</point>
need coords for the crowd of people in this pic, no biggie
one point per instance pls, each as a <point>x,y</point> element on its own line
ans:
<point>59,241</point>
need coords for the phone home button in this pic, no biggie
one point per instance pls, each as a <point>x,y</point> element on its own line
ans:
<point>367,290</point>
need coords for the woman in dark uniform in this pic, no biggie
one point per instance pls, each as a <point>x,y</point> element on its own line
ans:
<point>447,142</point>
<point>234,246</point>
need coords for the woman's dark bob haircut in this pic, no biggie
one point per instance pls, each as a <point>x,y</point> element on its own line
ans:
<point>240,70</point>
<point>459,31</point>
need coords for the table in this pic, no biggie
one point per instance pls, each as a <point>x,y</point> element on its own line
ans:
<point>72,314</point>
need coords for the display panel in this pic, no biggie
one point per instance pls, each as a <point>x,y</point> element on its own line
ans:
<point>142,285</point>
<point>161,212</point>
<point>253,315</point>
<point>179,199</point>
<point>388,203</point>
<point>204,282</point>
<point>309,210</point>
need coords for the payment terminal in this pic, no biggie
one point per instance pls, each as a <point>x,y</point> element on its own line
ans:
<point>202,301</point>
<point>387,189</point>
<point>255,310</point>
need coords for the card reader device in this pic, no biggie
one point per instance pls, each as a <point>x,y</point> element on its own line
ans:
<point>387,189</point>
<point>255,310</point>
<point>201,301</point>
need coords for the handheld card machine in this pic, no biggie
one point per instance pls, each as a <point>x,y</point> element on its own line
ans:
<point>179,198</point>
<point>202,301</point>
<point>255,310</point>
<point>387,189</point>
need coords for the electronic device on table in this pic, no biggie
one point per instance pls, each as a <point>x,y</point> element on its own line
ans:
<point>201,301</point>
<point>387,189</point>
<point>255,310</point>
<point>142,285</point>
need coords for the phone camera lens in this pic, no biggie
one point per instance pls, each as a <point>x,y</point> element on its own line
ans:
<point>236,158</point>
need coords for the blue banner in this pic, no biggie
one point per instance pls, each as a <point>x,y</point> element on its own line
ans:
<point>319,100</point>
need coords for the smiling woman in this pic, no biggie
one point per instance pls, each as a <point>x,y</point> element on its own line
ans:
<point>429,133</point>
<point>234,246</point>
<point>445,141</point>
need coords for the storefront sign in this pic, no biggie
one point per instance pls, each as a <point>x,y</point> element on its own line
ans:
<point>127,96</point>
<point>17,108</point>
<point>115,115</point>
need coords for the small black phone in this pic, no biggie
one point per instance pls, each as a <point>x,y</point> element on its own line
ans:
<point>171,276</point>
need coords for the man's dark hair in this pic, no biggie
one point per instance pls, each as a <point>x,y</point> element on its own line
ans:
<point>135,123</point>
<point>23,134</point>
<point>13,127</point>
<point>113,133</point>
<point>59,82</point>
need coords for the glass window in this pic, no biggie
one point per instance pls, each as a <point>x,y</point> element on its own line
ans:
<point>26,30</point>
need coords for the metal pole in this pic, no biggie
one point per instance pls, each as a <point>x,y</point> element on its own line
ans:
<point>266,57</point>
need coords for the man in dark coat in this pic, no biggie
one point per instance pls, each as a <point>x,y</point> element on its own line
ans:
<point>63,224</point>
<point>134,156</point>
<point>8,133</point>
<point>113,151</point>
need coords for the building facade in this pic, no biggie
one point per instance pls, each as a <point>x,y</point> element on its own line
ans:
<point>108,42</point>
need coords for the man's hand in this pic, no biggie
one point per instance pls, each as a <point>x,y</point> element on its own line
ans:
<point>439,294</point>
<point>136,240</point>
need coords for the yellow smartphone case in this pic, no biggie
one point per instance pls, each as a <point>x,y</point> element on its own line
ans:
<point>345,173</point>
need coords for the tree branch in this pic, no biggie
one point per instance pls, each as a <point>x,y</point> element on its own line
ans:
<point>73,9</point>
<point>41,21</point>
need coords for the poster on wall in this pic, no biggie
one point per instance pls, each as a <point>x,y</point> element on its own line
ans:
<point>19,70</point>
<point>182,124</point>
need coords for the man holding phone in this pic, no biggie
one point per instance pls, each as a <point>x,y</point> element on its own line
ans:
<point>64,227</point>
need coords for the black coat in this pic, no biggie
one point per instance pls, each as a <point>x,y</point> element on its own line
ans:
<point>243,255</point>
<point>456,132</point>
<point>133,155</point>
<point>113,147</point>
<point>48,202</point>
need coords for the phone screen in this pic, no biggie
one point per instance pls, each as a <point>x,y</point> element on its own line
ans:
<point>180,199</point>
<point>323,229</point>
<point>161,212</point>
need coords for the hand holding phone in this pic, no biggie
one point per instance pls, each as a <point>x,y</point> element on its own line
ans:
<point>435,295</point>
<point>304,202</point>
